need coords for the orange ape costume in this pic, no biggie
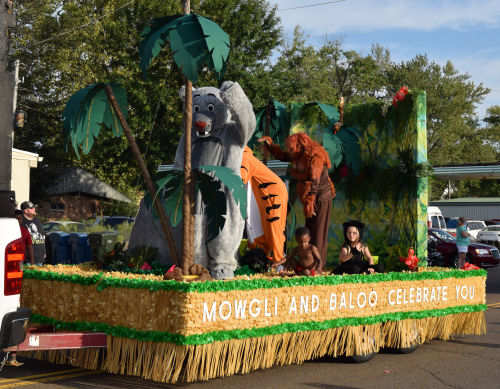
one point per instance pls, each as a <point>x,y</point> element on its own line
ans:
<point>310,164</point>
<point>272,200</point>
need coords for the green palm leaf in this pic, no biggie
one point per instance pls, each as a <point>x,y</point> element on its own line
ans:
<point>171,183</point>
<point>279,125</point>
<point>87,111</point>
<point>215,203</point>
<point>233,182</point>
<point>352,150</point>
<point>193,39</point>
<point>333,146</point>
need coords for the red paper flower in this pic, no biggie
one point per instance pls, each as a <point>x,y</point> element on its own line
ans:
<point>145,266</point>
<point>400,95</point>
<point>344,171</point>
<point>411,260</point>
<point>469,266</point>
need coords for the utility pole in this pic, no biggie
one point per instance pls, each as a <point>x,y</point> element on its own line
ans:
<point>16,83</point>
<point>7,20</point>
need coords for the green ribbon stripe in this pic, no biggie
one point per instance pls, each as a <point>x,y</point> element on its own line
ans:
<point>216,336</point>
<point>103,281</point>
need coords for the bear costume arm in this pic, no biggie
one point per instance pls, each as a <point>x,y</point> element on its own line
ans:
<point>241,112</point>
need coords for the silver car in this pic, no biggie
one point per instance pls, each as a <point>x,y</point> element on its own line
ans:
<point>490,235</point>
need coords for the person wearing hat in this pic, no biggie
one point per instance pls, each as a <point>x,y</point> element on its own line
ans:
<point>34,226</point>
<point>355,257</point>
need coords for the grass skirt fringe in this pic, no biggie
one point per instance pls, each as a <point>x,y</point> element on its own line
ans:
<point>168,362</point>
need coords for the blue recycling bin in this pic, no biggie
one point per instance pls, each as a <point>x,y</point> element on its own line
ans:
<point>61,252</point>
<point>80,247</point>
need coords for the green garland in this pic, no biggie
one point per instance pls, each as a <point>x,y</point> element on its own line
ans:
<point>216,336</point>
<point>260,283</point>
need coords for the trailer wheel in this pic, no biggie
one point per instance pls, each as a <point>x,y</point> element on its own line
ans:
<point>363,358</point>
<point>369,350</point>
<point>415,342</point>
<point>407,350</point>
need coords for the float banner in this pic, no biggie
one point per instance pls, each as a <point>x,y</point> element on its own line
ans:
<point>201,313</point>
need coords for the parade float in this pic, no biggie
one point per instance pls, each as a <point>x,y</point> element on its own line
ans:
<point>185,329</point>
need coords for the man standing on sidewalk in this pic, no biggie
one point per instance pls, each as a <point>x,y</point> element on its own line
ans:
<point>34,226</point>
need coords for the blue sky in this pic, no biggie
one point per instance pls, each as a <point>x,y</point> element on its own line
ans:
<point>466,32</point>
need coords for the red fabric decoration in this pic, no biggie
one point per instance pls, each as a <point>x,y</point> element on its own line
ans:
<point>469,266</point>
<point>411,260</point>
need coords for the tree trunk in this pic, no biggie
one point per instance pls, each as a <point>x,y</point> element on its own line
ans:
<point>188,197</point>
<point>145,174</point>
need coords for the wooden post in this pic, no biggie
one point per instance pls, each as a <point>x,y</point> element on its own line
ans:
<point>145,174</point>
<point>188,197</point>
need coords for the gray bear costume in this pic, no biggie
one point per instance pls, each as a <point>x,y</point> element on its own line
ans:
<point>223,122</point>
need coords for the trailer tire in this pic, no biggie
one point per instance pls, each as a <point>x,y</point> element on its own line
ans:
<point>363,358</point>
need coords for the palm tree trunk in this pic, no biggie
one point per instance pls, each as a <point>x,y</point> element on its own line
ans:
<point>188,196</point>
<point>145,174</point>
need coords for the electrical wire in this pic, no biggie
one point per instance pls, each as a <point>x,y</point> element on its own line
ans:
<point>311,5</point>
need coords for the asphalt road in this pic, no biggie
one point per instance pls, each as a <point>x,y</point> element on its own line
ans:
<point>462,362</point>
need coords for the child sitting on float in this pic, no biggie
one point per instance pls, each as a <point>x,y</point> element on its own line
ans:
<point>303,259</point>
<point>355,257</point>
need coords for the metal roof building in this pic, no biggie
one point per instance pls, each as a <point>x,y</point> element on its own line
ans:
<point>473,208</point>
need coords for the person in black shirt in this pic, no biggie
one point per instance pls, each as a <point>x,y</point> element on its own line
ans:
<point>34,226</point>
<point>355,257</point>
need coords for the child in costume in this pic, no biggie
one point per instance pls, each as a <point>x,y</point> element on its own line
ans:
<point>303,259</point>
<point>355,257</point>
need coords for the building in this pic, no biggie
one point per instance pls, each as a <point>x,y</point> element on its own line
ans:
<point>22,163</point>
<point>473,208</point>
<point>70,193</point>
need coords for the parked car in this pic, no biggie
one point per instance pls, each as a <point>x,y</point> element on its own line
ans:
<point>57,224</point>
<point>478,254</point>
<point>435,218</point>
<point>451,226</point>
<point>492,222</point>
<point>489,235</point>
<point>113,221</point>
<point>473,227</point>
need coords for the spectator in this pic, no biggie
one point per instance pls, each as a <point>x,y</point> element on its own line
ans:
<point>462,241</point>
<point>29,252</point>
<point>34,226</point>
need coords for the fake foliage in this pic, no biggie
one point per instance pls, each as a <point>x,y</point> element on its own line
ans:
<point>278,124</point>
<point>194,41</point>
<point>88,111</point>
<point>209,180</point>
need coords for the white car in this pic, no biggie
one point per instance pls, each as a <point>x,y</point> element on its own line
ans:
<point>474,226</point>
<point>490,235</point>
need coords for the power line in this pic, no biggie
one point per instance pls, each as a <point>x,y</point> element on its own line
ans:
<point>81,26</point>
<point>312,5</point>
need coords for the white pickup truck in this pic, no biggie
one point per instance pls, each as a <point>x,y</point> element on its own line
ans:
<point>14,319</point>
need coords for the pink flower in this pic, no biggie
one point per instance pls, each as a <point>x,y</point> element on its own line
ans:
<point>145,266</point>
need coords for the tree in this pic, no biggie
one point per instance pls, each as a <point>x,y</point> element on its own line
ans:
<point>451,103</point>
<point>66,45</point>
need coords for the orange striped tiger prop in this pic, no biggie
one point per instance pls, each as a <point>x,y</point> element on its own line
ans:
<point>272,200</point>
